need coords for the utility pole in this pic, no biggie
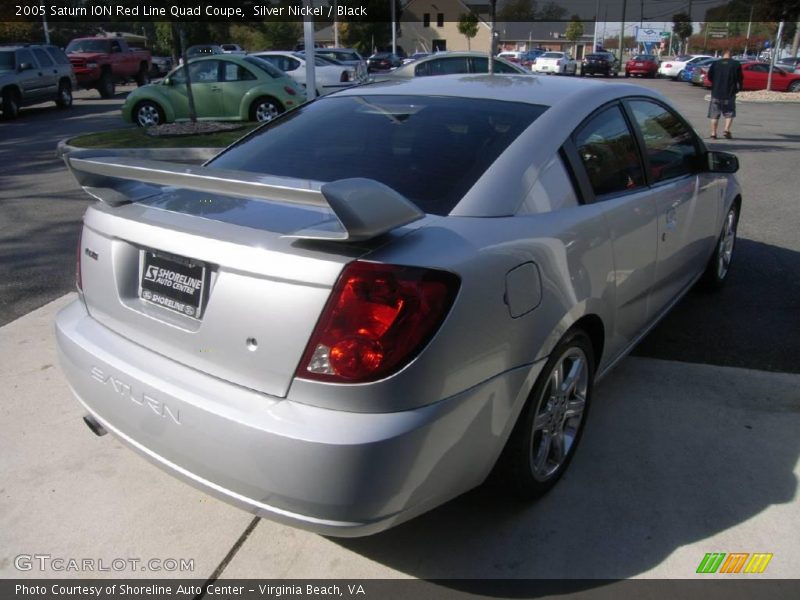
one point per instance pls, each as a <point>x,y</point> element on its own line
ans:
<point>594,36</point>
<point>394,30</point>
<point>493,14</point>
<point>335,26</point>
<point>749,25</point>
<point>309,52</point>
<point>622,31</point>
<point>46,29</point>
<point>188,79</point>
<point>775,50</point>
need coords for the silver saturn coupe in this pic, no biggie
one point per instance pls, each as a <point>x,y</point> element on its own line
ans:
<point>362,309</point>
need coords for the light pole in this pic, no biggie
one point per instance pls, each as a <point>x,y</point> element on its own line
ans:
<point>622,30</point>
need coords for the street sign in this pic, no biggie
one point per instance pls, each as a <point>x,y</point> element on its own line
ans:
<point>645,34</point>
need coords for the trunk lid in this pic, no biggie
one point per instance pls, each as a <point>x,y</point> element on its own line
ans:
<point>262,295</point>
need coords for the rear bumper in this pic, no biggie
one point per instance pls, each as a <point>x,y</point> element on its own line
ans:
<point>332,472</point>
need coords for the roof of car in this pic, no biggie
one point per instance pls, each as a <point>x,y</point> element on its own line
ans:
<point>532,89</point>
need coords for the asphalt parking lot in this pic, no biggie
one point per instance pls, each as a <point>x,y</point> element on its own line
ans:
<point>691,447</point>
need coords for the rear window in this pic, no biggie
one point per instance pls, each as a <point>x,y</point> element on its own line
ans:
<point>429,149</point>
<point>552,55</point>
<point>644,57</point>
<point>102,46</point>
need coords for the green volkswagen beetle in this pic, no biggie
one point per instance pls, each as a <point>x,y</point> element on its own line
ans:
<point>225,88</point>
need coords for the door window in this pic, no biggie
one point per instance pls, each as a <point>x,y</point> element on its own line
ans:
<point>43,58</point>
<point>608,152</point>
<point>235,72</point>
<point>669,143</point>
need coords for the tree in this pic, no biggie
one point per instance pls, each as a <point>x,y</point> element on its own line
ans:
<point>574,30</point>
<point>551,12</point>
<point>682,26</point>
<point>468,26</point>
<point>518,10</point>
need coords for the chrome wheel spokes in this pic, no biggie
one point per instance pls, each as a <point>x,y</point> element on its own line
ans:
<point>559,414</point>
<point>726,243</point>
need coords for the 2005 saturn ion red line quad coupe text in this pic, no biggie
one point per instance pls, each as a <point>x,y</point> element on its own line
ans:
<point>362,308</point>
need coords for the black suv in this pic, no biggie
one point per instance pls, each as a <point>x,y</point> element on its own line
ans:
<point>30,74</point>
<point>604,63</point>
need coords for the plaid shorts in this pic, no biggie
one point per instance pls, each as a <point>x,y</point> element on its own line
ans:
<point>722,106</point>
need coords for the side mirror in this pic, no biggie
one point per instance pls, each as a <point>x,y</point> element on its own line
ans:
<point>722,162</point>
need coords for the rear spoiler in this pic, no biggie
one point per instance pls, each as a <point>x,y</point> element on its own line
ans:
<point>364,208</point>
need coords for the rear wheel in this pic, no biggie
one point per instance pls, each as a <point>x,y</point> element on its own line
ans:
<point>64,96</point>
<point>549,429</point>
<point>265,109</point>
<point>10,105</point>
<point>148,114</point>
<point>106,86</point>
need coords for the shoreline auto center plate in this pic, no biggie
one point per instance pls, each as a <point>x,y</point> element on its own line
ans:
<point>174,282</point>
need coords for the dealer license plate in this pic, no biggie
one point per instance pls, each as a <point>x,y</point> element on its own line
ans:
<point>174,282</point>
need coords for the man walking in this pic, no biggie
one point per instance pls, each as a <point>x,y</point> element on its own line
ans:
<point>726,80</point>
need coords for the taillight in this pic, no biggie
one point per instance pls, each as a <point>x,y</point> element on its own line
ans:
<point>668,66</point>
<point>376,321</point>
<point>289,90</point>
<point>78,276</point>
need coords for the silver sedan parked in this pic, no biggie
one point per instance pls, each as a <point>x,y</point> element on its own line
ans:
<point>364,307</point>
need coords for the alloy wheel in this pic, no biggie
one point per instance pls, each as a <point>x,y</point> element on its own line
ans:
<point>559,414</point>
<point>726,243</point>
<point>147,115</point>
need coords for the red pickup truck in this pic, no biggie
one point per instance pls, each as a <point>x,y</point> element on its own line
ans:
<point>101,62</point>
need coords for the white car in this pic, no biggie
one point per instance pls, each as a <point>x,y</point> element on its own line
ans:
<point>674,67</point>
<point>555,62</point>
<point>330,77</point>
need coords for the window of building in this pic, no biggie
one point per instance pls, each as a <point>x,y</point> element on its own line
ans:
<point>426,20</point>
<point>440,20</point>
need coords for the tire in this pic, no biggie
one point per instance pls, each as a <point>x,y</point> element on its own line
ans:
<point>795,86</point>
<point>106,86</point>
<point>534,459</point>
<point>143,76</point>
<point>719,265</point>
<point>148,114</point>
<point>265,109</point>
<point>64,96</point>
<point>10,105</point>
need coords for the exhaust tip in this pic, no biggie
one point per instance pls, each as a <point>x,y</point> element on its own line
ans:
<point>95,427</point>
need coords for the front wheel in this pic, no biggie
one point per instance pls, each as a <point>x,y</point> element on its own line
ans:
<point>719,265</point>
<point>265,109</point>
<point>148,114</point>
<point>10,105</point>
<point>547,433</point>
<point>795,86</point>
<point>64,96</point>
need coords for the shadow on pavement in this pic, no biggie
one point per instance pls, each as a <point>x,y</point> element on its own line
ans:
<point>752,322</point>
<point>672,455</point>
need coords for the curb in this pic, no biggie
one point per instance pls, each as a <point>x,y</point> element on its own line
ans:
<point>183,155</point>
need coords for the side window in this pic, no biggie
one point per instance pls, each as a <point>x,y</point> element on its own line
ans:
<point>669,144</point>
<point>205,71</point>
<point>608,152</point>
<point>423,69</point>
<point>58,56</point>
<point>759,68</point>
<point>115,47</point>
<point>25,56</point>
<point>43,58</point>
<point>449,66</point>
<point>233,72</point>
<point>503,68</point>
